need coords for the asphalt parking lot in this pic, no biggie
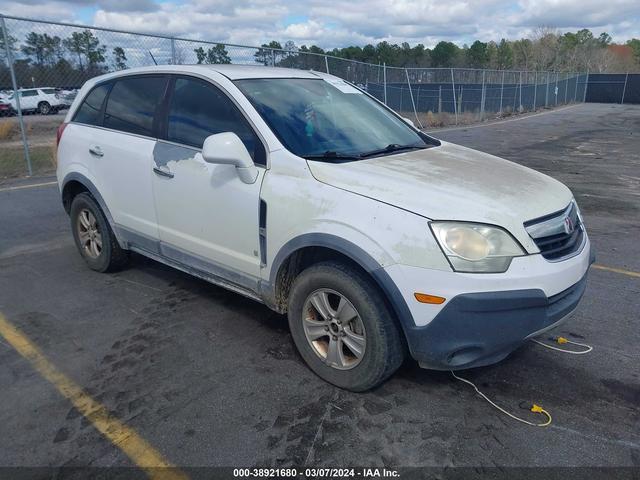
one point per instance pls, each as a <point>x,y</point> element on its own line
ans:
<point>209,378</point>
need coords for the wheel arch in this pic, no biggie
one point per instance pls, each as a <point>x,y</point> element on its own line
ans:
<point>75,183</point>
<point>308,249</point>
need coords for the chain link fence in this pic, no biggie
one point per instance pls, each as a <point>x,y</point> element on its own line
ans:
<point>48,62</point>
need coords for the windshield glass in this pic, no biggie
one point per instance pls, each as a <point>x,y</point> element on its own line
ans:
<point>328,119</point>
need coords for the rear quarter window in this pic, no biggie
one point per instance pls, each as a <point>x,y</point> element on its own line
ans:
<point>132,104</point>
<point>90,110</point>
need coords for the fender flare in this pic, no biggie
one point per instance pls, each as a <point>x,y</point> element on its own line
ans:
<point>88,184</point>
<point>353,252</point>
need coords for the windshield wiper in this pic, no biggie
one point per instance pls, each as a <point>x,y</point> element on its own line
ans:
<point>331,155</point>
<point>391,148</point>
<point>337,156</point>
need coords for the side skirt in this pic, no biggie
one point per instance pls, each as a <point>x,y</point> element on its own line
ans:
<point>214,279</point>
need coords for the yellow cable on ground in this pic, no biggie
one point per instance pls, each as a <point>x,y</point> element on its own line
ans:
<point>561,341</point>
<point>534,408</point>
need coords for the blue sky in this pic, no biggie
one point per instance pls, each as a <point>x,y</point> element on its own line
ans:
<point>331,23</point>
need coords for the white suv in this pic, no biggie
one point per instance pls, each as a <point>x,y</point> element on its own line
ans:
<point>299,190</point>
<point>41,100</point>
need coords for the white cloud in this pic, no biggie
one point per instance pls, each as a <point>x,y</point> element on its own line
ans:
<point>335,23</point>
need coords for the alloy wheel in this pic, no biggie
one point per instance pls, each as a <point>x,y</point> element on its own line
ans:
<point>89,234</point>
<point>334,329</point>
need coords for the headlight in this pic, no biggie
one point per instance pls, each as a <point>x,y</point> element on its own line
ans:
<point>475,247</point>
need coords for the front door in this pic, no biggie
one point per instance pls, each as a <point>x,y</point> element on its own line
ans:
<point>207,217</point>
<point>28,99</point>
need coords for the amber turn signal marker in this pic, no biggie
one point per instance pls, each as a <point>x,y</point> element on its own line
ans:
<point>426,298</point>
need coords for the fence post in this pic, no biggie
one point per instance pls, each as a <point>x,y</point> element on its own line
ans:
<point>535,89</point>
<point>546,94</point>
<point>273,58</point>
<point>520,100</point>
<point>586,85</point>
<point>453,88</point>
<point>16,94</point>
<point>326,63</point>
<point>173,51</point>
<point>439,98</point>
<point>575,93</point>
<point>413,103</point>
<point>624,89</point>
<point>501,92</point>
<point>566,87</point>
<point>555,91</point>
<point>484,93</point>
<point>384,79</point>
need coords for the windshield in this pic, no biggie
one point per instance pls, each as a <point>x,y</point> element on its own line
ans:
<point>329,119</point>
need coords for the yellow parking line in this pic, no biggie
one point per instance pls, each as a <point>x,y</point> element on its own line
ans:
<point>617,270</point>
<point>122,436</point>
<point>32,185</point>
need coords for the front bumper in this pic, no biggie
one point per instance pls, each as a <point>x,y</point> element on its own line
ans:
<point>482,326</point>
<point>478,329</point>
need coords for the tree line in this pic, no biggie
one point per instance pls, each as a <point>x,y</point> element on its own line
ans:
<point>49,60</point>
<point>546,50</point>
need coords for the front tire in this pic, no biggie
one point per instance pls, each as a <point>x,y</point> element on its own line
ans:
<point>343,328</point>
<point>93,236</point>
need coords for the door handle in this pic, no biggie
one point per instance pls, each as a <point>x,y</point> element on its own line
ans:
<point>163,172</point>
<point>96,150</point>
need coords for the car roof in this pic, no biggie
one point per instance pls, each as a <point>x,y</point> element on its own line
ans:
<point>236,72</point>
<point>233,72</point>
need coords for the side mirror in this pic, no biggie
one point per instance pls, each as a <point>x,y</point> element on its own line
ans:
<point>227,149</point>
<point>409,121</point>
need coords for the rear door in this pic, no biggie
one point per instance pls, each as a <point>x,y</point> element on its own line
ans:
<point>120,155</point>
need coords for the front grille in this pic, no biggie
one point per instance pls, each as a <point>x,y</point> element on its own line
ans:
<point>558,235</point>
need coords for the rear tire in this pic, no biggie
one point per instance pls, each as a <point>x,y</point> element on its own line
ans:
<point>44,108</point>
<point>93,236</point>
<point>353,340</point>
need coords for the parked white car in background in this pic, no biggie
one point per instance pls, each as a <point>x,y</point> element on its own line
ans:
<point>41,100</point>
<point>298,190</point>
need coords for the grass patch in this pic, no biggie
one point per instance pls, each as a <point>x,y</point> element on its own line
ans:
<point>13,163</point>
<point>7,129</point>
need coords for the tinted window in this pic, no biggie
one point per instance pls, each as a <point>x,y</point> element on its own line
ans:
<point>89,111</point>
<point>48,91</point>
<point>198,109</point>
<point>132,104</point>
<point>28,93</point>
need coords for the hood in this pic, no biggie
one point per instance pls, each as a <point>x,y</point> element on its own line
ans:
<point>451,182</point>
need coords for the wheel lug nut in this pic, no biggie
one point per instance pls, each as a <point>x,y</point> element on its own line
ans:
<point>326,328</point>
<point>335,338</point>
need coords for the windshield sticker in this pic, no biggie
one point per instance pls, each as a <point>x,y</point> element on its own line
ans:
<point>341,85</point>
